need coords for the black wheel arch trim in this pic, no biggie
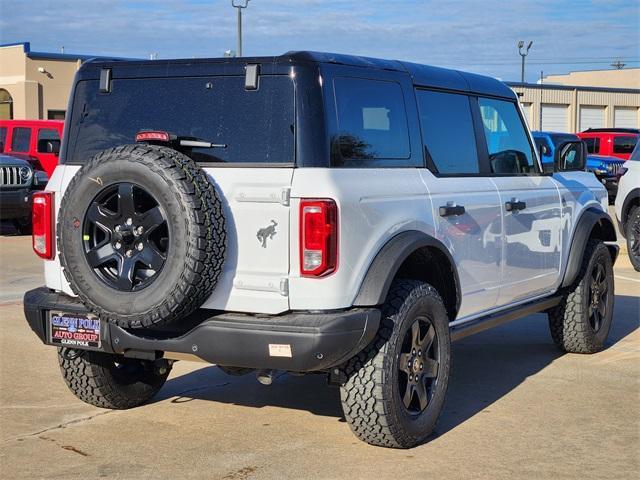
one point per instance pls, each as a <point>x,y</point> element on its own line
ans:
<point>387,262</point>
<point>590,218</point>
<point>632,198</point>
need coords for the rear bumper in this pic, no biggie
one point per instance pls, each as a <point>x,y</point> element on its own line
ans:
<point>15,203</point>
<point>297,341</point>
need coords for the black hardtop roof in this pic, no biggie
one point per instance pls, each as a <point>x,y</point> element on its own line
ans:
<point>422,75</point>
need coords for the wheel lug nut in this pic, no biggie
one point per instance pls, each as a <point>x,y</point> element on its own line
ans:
<point>117,229</point>
<point>140,246</point>
<point>117,245</point>
<point>128,253</point>
<point>421,366</point>
<point>414,351</point>
<point>419,353</point>
<point>129,221</point>
<point>139,230</point>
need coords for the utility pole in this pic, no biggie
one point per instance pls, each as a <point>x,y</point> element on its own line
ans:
<point>523,55</point>
<point>240,5</point>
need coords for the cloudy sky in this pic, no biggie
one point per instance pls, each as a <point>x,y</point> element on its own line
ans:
<point>479,36</point>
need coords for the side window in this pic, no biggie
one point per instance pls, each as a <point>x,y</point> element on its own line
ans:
<point>372,123</point>
<point>3,138</point>
<point>447,131</point>
<point>45,134</point>
<point>624,144</point>
<point>507,141</point>
<point>593,144</point>
<point>21,139</point>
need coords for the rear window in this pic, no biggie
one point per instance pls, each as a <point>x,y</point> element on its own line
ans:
<point>20,139</point>
<point>257,126</point>
<point>624,144</point>
<point>593,144</point>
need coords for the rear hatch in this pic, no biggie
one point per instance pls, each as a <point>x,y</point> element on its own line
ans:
<point>252,173</point>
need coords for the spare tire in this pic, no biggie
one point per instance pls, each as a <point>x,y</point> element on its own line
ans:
<point>141,235</point>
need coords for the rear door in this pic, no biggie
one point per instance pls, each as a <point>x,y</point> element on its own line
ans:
<point>252,172</point>
<point>466,204</point>
<point>529,202</point>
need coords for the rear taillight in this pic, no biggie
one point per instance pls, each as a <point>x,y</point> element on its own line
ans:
<point>42,216</point>
<point>318,237</point>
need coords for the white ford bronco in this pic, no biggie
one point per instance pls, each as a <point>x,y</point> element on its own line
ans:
<point>308,213</point>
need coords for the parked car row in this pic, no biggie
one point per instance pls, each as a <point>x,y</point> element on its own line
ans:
<point>28,155</point>
<point>608,150</point>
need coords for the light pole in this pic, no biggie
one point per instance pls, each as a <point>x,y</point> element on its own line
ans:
<point>523,55</point>
<point>239,4</point>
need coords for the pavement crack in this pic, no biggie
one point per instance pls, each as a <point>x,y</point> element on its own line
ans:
<point>58,427</point>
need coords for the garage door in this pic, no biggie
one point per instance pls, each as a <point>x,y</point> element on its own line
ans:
<point>554,118</point>
<point>625,117</point>
<point>591,117</point>
<point>526,110</point>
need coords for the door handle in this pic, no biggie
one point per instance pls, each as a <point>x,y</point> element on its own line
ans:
<point>451,210</point>
<point>514,206</point>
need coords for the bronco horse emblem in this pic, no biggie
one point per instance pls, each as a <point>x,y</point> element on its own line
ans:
<point>266,233</point>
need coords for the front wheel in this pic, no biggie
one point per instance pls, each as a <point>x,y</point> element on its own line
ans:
<point>633,238</point>
<point>111,381</point>
<point>581,323</point>
<point>396,386</point>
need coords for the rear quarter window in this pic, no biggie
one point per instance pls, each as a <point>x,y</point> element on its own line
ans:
<point>593,144</point>
<point>371,122</point>
<point>624,144</point>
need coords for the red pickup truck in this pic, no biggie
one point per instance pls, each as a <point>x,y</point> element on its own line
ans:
<point>612,142</point>
<point>37,141</point>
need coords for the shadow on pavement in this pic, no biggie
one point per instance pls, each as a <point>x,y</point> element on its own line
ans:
<point>485,367</point>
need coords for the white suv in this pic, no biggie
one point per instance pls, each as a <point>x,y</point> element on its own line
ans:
<point>308,213</point>
<point>628,205</point>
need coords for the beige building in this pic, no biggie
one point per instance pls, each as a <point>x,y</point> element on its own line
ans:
<point>566,108</point>
<point>35,85</point>
<point>623,78</point>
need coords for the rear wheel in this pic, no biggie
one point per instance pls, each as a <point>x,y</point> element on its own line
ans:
<point>111,381</point>
<point>396,386</point>
<point>633,237</point>
<point>581,323</point>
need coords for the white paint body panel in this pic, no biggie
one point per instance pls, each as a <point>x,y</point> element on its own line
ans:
<point>374,205</point>
<point>629,181</point>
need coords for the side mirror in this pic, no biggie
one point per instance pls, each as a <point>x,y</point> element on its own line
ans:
<point>570,156</point>
<point>49,146</point>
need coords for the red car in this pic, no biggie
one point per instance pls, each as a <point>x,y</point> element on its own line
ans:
<point>612,142</point>
<point>37,141</point>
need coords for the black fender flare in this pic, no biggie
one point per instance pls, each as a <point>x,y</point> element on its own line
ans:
<point>387,262</point>
<point>591,218</point>
<point>632,198</point>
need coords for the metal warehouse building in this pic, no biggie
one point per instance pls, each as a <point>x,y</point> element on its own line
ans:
<point>574,108</point>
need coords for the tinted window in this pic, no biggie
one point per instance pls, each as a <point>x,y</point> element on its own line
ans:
<point>624,144</point>
<point>507,140</point>
<point>3,136</point>
<point>372,122</point>
<point>257,126</point>
<point>447,131</point>
<point>21,139</point>
<point>593,144</point>
<point>45,134</point>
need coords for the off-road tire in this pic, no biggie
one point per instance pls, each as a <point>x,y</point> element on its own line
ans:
<point>370,399</point>
<point>196,226</point>
<point>569,321</point>
<point>633,237</point>
<point>95,379</point>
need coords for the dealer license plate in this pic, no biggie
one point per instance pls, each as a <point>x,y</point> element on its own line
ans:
<point>74,330</point>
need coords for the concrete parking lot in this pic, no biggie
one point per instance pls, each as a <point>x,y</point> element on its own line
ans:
<point>516,408</point>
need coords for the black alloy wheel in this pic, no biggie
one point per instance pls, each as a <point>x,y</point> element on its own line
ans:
<point>633,237</point>
<point>125,237</point>
<point>418,366</point>
<point>598,296</point>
